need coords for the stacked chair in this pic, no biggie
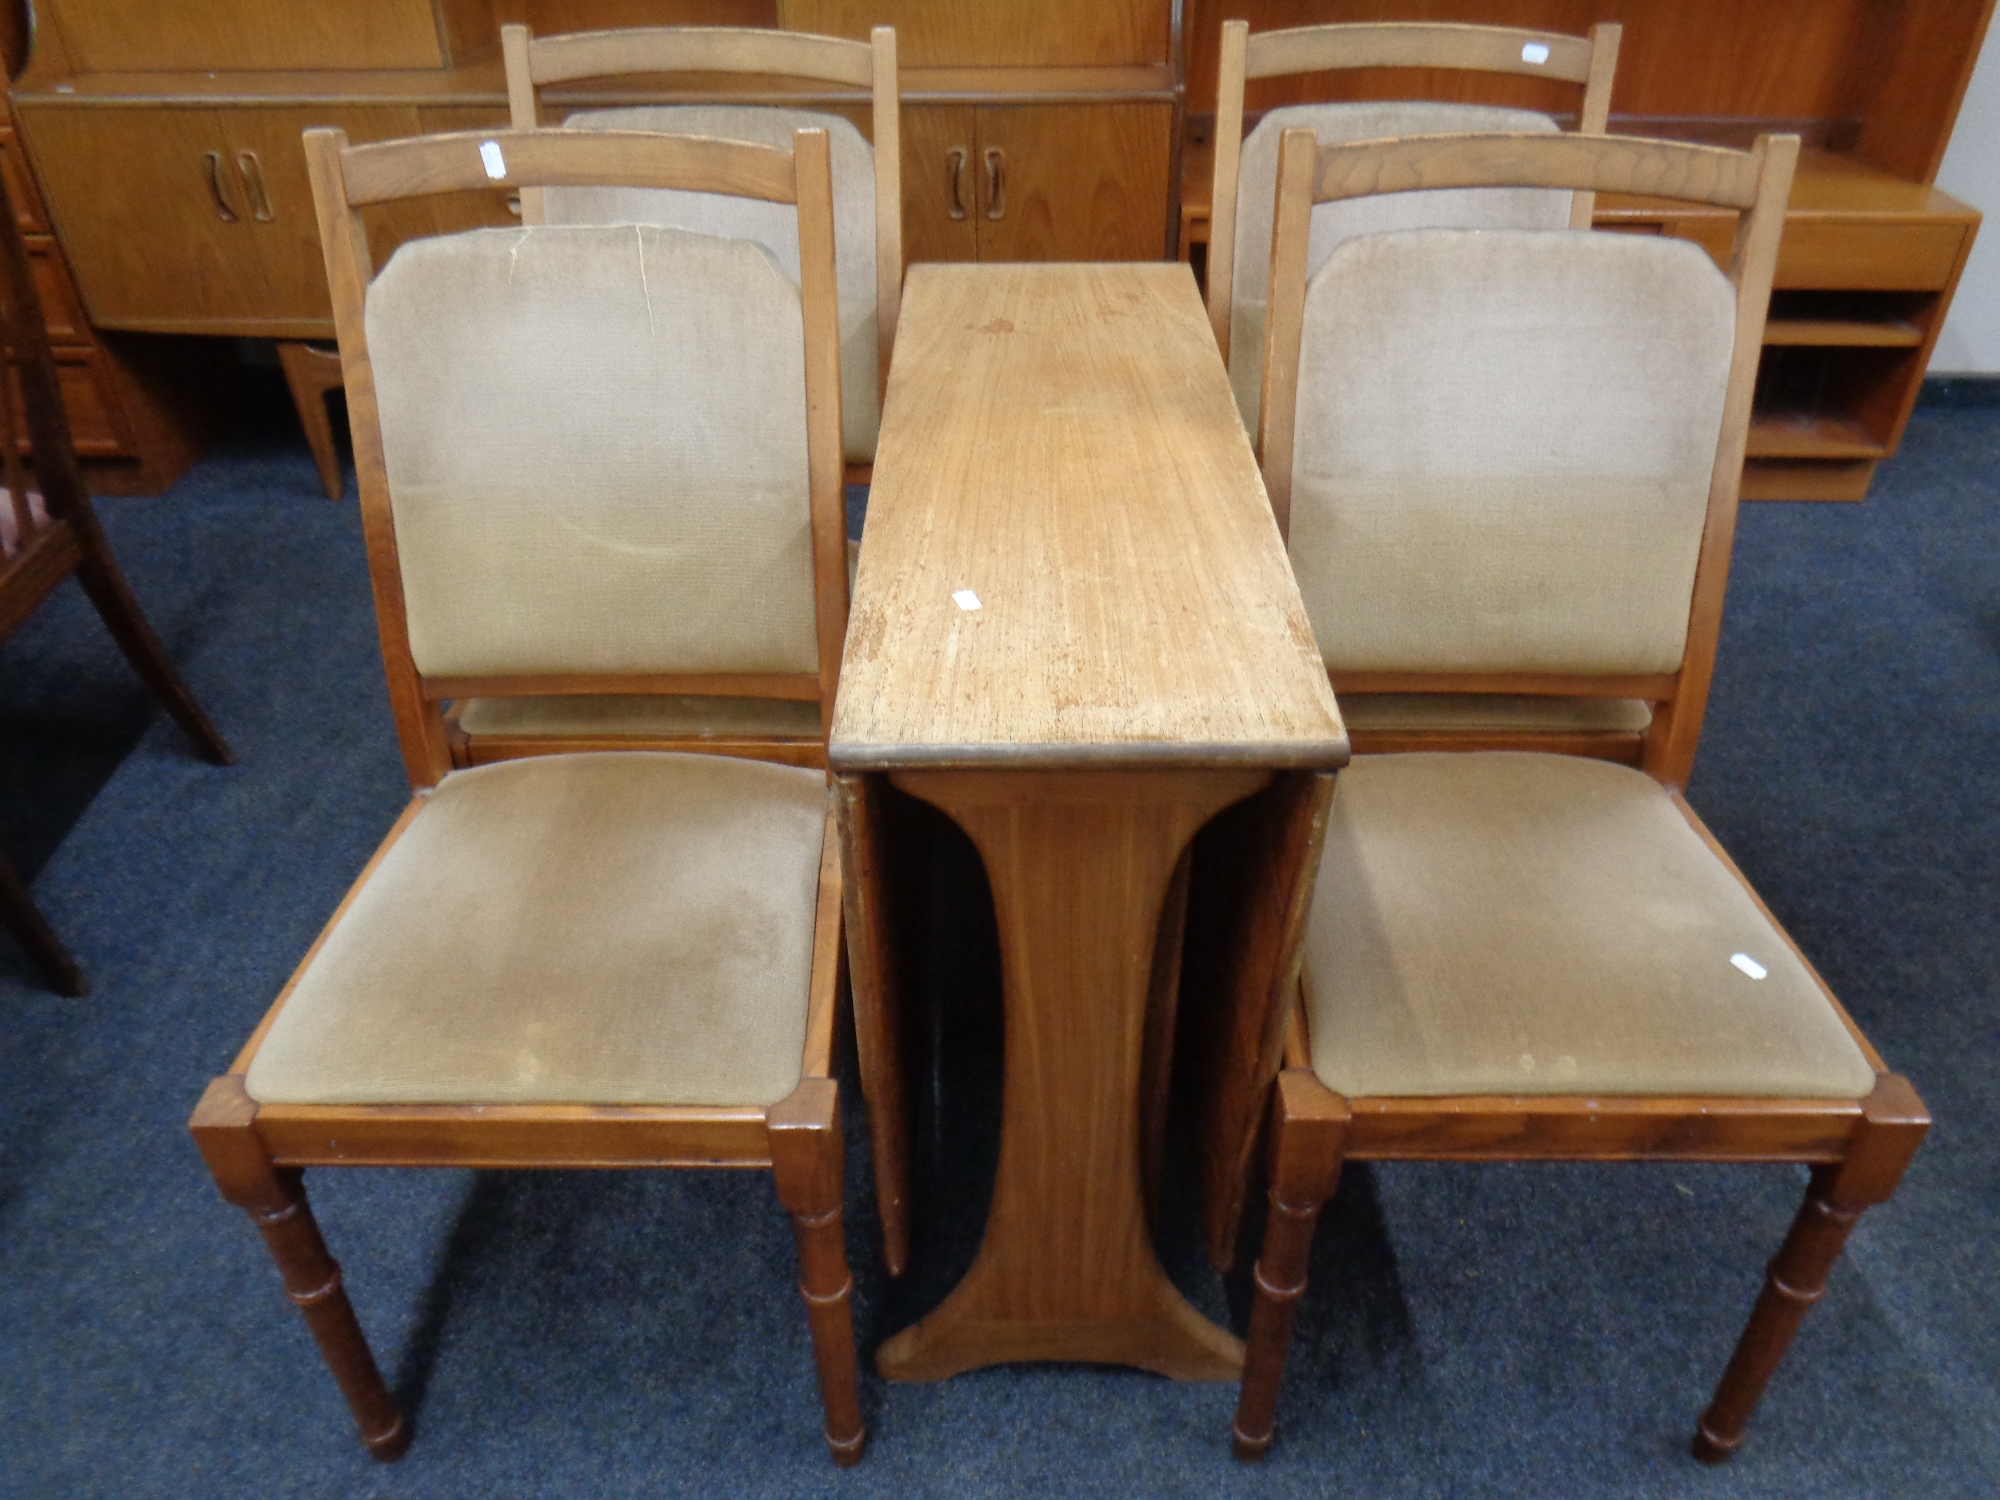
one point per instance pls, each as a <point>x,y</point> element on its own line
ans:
<point>1239,249</point>
<point>1507,462</point>
<point>592,458</point>
<point>784,726</point>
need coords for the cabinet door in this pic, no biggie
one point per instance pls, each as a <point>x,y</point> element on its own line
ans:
<point>940,182</point>
<point>267,159</point>
<point>151,215</point>
<point>1073,181</point>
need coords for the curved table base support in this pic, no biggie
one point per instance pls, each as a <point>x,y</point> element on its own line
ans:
<point>1080,863</point>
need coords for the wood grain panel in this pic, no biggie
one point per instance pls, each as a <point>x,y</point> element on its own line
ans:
<point>129,195</point>
<point>1784,59</point>
<point>940,182</point>
<point>20,185</point>
<point>1076,183</point>
<point>1061,440</point>
<point>60,309</point>
<point>1908,74</point>
<point>1018,34</point>
<point>552,17</point>
<point>112,36</point>
<point>97,424</point>
<point>266,143</point>
<point>1079,865</point>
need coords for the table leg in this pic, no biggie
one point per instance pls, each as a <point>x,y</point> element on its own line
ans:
<point>878,1022</point>
<point>1080,863</point>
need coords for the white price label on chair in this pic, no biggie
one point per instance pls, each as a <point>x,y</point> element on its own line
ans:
<point>1748,965</point>
<point>1534,52</point>
<point>966,600</point>
<point>496,164</point>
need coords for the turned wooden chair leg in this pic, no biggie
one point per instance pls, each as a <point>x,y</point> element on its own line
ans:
<point>1892,1126</point>
<point>312,375</point>
<point>275,1199</point>
<point>116,605</point>
<point>808,1161</point>
<point>1308,1132</point>
<point>31,929</point>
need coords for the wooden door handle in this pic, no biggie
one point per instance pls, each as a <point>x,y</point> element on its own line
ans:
<point>223,209</point>
<point>956,207</point>
<point>996,184</point>
<point>252,172</point>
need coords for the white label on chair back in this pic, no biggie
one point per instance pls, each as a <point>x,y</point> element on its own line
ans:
<point>965,599</point>
<point>496,164</point>
<point>1748,965</point>
<point>1534,52</point>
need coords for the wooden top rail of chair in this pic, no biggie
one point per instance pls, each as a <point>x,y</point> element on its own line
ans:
<point>1585,163</point>
<point>1070,559</point>
<point>1400,44</point>
<point>462,162</point>
<point>699,49</point>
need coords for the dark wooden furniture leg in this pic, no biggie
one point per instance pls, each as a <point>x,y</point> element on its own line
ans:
<point>105,584</point>
<point>274,1197</point>
<point>878,1020</point>
<point>1308,1133</point>
<point>312,374</point>
<point>808,1162</point>
<point>1892,1126</point>
<point>32,931</point>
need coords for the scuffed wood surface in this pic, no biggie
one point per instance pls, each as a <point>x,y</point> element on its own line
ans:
<point>1061,440</point>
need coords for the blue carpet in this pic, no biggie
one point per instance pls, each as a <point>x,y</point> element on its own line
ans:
<point>1470,1331</point>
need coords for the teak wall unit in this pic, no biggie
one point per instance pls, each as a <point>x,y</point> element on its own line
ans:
<point>168,145</point>
<point>1871,252</point>
<point>165,140</point>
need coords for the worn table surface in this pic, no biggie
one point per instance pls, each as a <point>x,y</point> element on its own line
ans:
<point>1060,440</point>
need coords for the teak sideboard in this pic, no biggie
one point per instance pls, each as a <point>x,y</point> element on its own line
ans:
<point>164,141</point>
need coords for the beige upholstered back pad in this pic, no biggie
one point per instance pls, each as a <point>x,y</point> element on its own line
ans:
<point>595,440</point>
<point>1504,446</point>
<point>1256,199</point>
<point>772,225</point>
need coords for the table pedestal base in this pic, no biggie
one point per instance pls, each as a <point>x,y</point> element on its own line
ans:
<point>1080,863</point>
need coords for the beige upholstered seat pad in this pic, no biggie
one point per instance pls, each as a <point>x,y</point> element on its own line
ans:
<point>1504,447</point>
<point>662,714</point>
<point>1462,208</point>
<point>595,442</point>
<point>614,928</point>
<point>1504,923</point>
<point>1382,712</point>
<point>772,225</point>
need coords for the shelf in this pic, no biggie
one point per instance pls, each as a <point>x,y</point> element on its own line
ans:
<point>1783,434</point>
<point>1843,333</point>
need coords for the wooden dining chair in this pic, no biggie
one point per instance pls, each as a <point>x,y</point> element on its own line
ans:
<point>1239,247</point>
<point>1509,460</point>
<point>48,533</point>
<point>590,458</point>
<point>867,177</point>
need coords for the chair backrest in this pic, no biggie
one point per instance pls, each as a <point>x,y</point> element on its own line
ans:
<point>867,188</point>
<point>1507,461</point>
<point>593,458</point>
<point>1239,246</point>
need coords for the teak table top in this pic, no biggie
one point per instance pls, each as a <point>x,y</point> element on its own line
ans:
<point>1060,440</point>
